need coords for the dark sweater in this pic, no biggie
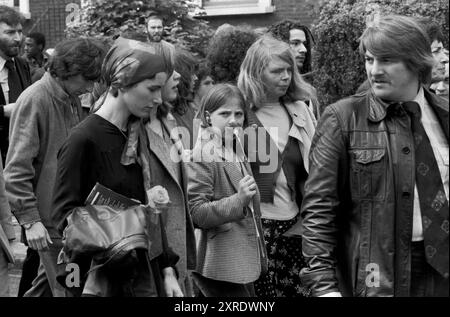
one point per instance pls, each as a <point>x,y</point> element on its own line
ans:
<point>92,154</point>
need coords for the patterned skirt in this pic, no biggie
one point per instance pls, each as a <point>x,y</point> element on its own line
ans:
<point>285,262</point>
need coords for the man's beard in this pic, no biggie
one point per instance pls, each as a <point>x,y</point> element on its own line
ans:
<point>155,38</point>
<point>8,49</point>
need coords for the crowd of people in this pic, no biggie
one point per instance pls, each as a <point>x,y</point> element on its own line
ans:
<point>269,194</point>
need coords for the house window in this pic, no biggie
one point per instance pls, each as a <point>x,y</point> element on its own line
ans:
<point>236,7</point>
<point>9,3</point>
<point>24,7</point>
<point>21,5</point>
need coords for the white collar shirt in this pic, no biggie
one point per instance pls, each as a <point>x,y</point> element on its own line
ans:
<point>4,79</point>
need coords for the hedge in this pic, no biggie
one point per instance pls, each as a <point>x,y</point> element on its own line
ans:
<point>339,68</point>
<point>107,19</point>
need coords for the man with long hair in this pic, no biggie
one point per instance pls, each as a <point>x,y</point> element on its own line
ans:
<point>299,38</point>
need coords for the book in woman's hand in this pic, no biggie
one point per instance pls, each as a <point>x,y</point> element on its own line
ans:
<point>101,195</point>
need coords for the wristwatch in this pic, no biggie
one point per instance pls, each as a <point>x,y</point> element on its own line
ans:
<point>28,225</point>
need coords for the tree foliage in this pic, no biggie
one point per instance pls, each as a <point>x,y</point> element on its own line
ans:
<point>110,18</point>
<point>336,59</point>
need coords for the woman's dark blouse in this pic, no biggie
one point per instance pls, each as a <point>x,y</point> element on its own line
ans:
<point>91,154</point>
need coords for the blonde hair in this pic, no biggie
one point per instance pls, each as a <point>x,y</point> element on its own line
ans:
<point>257,59</point>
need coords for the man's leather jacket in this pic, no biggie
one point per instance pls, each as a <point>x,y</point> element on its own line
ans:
<point>358,206</point>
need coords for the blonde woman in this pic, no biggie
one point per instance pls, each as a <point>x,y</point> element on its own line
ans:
<point>274,90</point>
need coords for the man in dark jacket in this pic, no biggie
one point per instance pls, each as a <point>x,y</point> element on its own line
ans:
<point>34,55</point>
<point>14,78</point>
<point>14,71</point>
<point>436,37</point>
<point>375,210</point>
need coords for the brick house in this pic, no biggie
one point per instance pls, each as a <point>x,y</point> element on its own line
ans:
<point>51,16</point>
<point>46,16</point>
<point>257,13</point>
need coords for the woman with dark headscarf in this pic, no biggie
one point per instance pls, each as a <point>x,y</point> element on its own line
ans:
<point>93,153</point>
<point>163,165</point>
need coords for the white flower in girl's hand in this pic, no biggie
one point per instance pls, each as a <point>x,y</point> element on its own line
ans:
<point>158,198</point>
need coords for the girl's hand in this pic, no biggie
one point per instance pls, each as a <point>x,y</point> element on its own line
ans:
<point>171,286</point>
<point>247,189</point>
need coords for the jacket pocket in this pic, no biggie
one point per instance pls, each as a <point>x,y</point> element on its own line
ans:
<point>368,173</point>
<point>368,156</point>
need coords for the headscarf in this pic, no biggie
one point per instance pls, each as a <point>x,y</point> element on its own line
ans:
<point>129,62</point>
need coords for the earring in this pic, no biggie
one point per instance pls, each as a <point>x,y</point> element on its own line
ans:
<point>208,118</point>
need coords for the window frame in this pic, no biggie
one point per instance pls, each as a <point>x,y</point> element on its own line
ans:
<point>251,7</point>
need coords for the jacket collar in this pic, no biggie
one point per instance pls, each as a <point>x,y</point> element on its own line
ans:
<point>253,119</point>
<point>234,174</point>
<point>55,87</point>
<point>2,62</point>
<point>296,113</point>
<point>440,107</point>
<point>159,148</point>
<point>378,108</point>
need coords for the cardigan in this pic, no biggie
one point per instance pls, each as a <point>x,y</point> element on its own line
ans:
<point>302,130</point>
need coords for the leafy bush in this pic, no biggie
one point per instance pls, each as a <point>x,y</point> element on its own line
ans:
<point>226,52</point>
<point>339,69</point>
<point>110,18</point>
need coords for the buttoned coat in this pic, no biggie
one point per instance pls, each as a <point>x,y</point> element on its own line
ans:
<point>265,157</point>
<point>179,227</point>
<point>358,205</point>
<point>229,248</point>
<point>23,70</point>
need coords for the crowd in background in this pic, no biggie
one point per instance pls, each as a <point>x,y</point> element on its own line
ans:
<point>308,203</point>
